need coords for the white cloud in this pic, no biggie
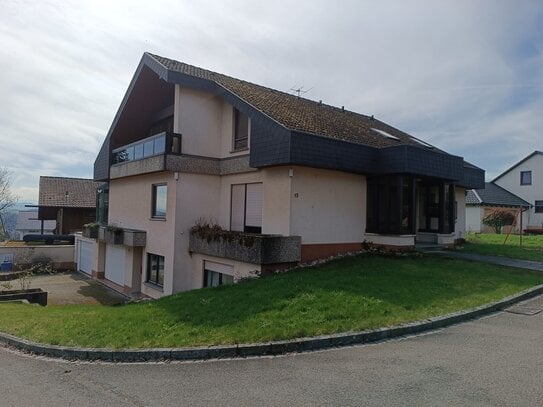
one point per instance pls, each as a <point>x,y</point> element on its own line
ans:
<point>464,75</point>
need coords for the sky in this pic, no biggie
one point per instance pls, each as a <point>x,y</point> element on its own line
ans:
<point>466,76</point>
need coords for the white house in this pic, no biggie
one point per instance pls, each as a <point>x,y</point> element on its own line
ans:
<point>525,179</point>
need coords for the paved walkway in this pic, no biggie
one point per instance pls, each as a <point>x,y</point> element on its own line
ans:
<point>502,261</point>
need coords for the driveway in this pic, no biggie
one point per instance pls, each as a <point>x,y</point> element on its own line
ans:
<point>74,288</point>
<point>494,361</point>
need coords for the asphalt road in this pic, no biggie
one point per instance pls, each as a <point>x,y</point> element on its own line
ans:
<point>497,360</point>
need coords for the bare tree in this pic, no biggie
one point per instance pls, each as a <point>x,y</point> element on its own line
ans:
<point>7,199</point>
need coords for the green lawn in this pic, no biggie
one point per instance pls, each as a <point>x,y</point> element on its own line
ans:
<point>492,244</point>
<point>348,294</point>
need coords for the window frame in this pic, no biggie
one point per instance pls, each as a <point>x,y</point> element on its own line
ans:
<point>522,181</point>
<point>148,278</point>
<point>221,280</point>
<point>154,191</point>
<point>538,206</point>
<point>237,114</point>
<point>246,228</point>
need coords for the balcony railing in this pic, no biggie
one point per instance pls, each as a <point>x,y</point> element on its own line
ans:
<point>159,144</point>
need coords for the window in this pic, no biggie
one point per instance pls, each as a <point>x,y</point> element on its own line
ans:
<point>246,209</point>
<point>526,178</point>
<point>102,204</point>
<point>155,269</point>
<point>538,206</point>
<point>214,279</point>
<point>160,193</point>
<point>241,130</point>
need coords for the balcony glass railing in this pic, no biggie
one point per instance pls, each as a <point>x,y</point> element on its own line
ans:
<point>159,144</point>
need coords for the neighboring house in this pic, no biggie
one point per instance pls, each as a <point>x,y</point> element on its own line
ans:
<point>28,223</point>
<point>305,179</point>
<point>525,179</point>
<point>481,202</point>
<point>70,202</point>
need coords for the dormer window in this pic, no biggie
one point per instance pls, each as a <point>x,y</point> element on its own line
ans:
<point>241,131</point>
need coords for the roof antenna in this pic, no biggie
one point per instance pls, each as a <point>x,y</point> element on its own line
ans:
<point>300,91</point>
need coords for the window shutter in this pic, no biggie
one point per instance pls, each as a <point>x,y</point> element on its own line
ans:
<point>237,216</point>
<point>254,205</point>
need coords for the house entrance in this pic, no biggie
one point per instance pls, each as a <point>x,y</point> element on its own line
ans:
<point>435,209</point>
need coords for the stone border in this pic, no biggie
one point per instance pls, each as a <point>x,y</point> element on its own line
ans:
<point>263,349</point>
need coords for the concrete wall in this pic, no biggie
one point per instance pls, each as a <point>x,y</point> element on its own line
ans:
<point>327,206</point>
<point>61,255</point>
<point>460,222</point>
<point>206,122</point>
<point>530,193</point>
<point>130,201</point>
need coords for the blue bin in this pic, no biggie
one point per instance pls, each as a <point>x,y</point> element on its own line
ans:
<point>6,266</point>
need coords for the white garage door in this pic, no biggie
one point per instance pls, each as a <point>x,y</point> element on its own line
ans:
<point>84,257</point>
<point>115,259</point>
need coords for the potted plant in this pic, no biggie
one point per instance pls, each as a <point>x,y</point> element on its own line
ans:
<point>90,230</point>
<point>114,234</point>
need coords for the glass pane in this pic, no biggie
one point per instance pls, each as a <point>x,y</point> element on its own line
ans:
<point>176,144</point>
<point>138,152</point>
<point>148,148</point>
<point>160,144</point>
<point>226,279</point>
<point>160,196</point>
<point>160,280</point>
<point>129,153</point>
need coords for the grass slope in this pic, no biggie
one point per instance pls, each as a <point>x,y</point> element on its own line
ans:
<point>348,294</point>
<point>492,244</point>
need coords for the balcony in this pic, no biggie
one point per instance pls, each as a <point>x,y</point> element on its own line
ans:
<point>247,247</point>
<point>143,156</point>
<point>122,236</point>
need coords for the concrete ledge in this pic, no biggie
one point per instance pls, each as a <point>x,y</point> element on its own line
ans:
<point>264,349</point>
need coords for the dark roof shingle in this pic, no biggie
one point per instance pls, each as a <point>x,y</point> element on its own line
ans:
<point>300,114</point>
<point>494,195</point>
<point>67,192</point>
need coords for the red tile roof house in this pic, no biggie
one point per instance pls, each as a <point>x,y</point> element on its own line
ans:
<point>71,202</point>
<point>303,179</point>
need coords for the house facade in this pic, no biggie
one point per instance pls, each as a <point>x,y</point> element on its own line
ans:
<point>525,179</point>
<point>208,179</point>
<point>69,202</point>
<point>482,202</point>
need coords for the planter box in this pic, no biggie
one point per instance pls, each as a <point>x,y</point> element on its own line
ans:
<point>249,248</point>
<point>128,237</point>
<point>91,232</point>
<point>33,296</point>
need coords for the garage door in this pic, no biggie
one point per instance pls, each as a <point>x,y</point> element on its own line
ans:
<point>115,259</point>
<point>84,256</point>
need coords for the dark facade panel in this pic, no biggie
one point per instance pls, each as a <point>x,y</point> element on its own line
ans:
<point>270,143</point>
<point>322,152</point>
<point>473,178</point>
<point>419,161</point>
<point>102,162</point>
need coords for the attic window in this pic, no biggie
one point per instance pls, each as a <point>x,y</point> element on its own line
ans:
<point>384,133</point>
<point>422,143</point>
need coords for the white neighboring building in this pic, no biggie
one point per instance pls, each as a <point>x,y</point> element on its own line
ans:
<point>28,223</point>
<point>525,179</point>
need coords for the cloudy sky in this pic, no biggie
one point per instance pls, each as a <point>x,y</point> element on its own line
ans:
<point>466,76</point>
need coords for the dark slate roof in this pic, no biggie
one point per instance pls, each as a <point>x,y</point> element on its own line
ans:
<point>28,220</point>
<point>517,164</point>
<point>493,195</point>
<point>300,114</point>
<point>67,192</point>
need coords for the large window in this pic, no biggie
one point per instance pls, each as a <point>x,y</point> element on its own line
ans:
<point>241,130</point>
<point>216,274</point>
<point>102,204</point>
<point>246,209</point>
<point>526,178</point>
<point>155,269</point>
<point>160,195</point>
<point>538,206</point>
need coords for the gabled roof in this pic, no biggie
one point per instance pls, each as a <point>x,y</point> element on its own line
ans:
<point>493,195</point>
<point>28,220</point>
<point>536,152</point>
<point>67,192</point>
<point>300,114</point>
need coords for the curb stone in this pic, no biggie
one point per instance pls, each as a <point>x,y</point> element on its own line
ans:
<point>266,348</point>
